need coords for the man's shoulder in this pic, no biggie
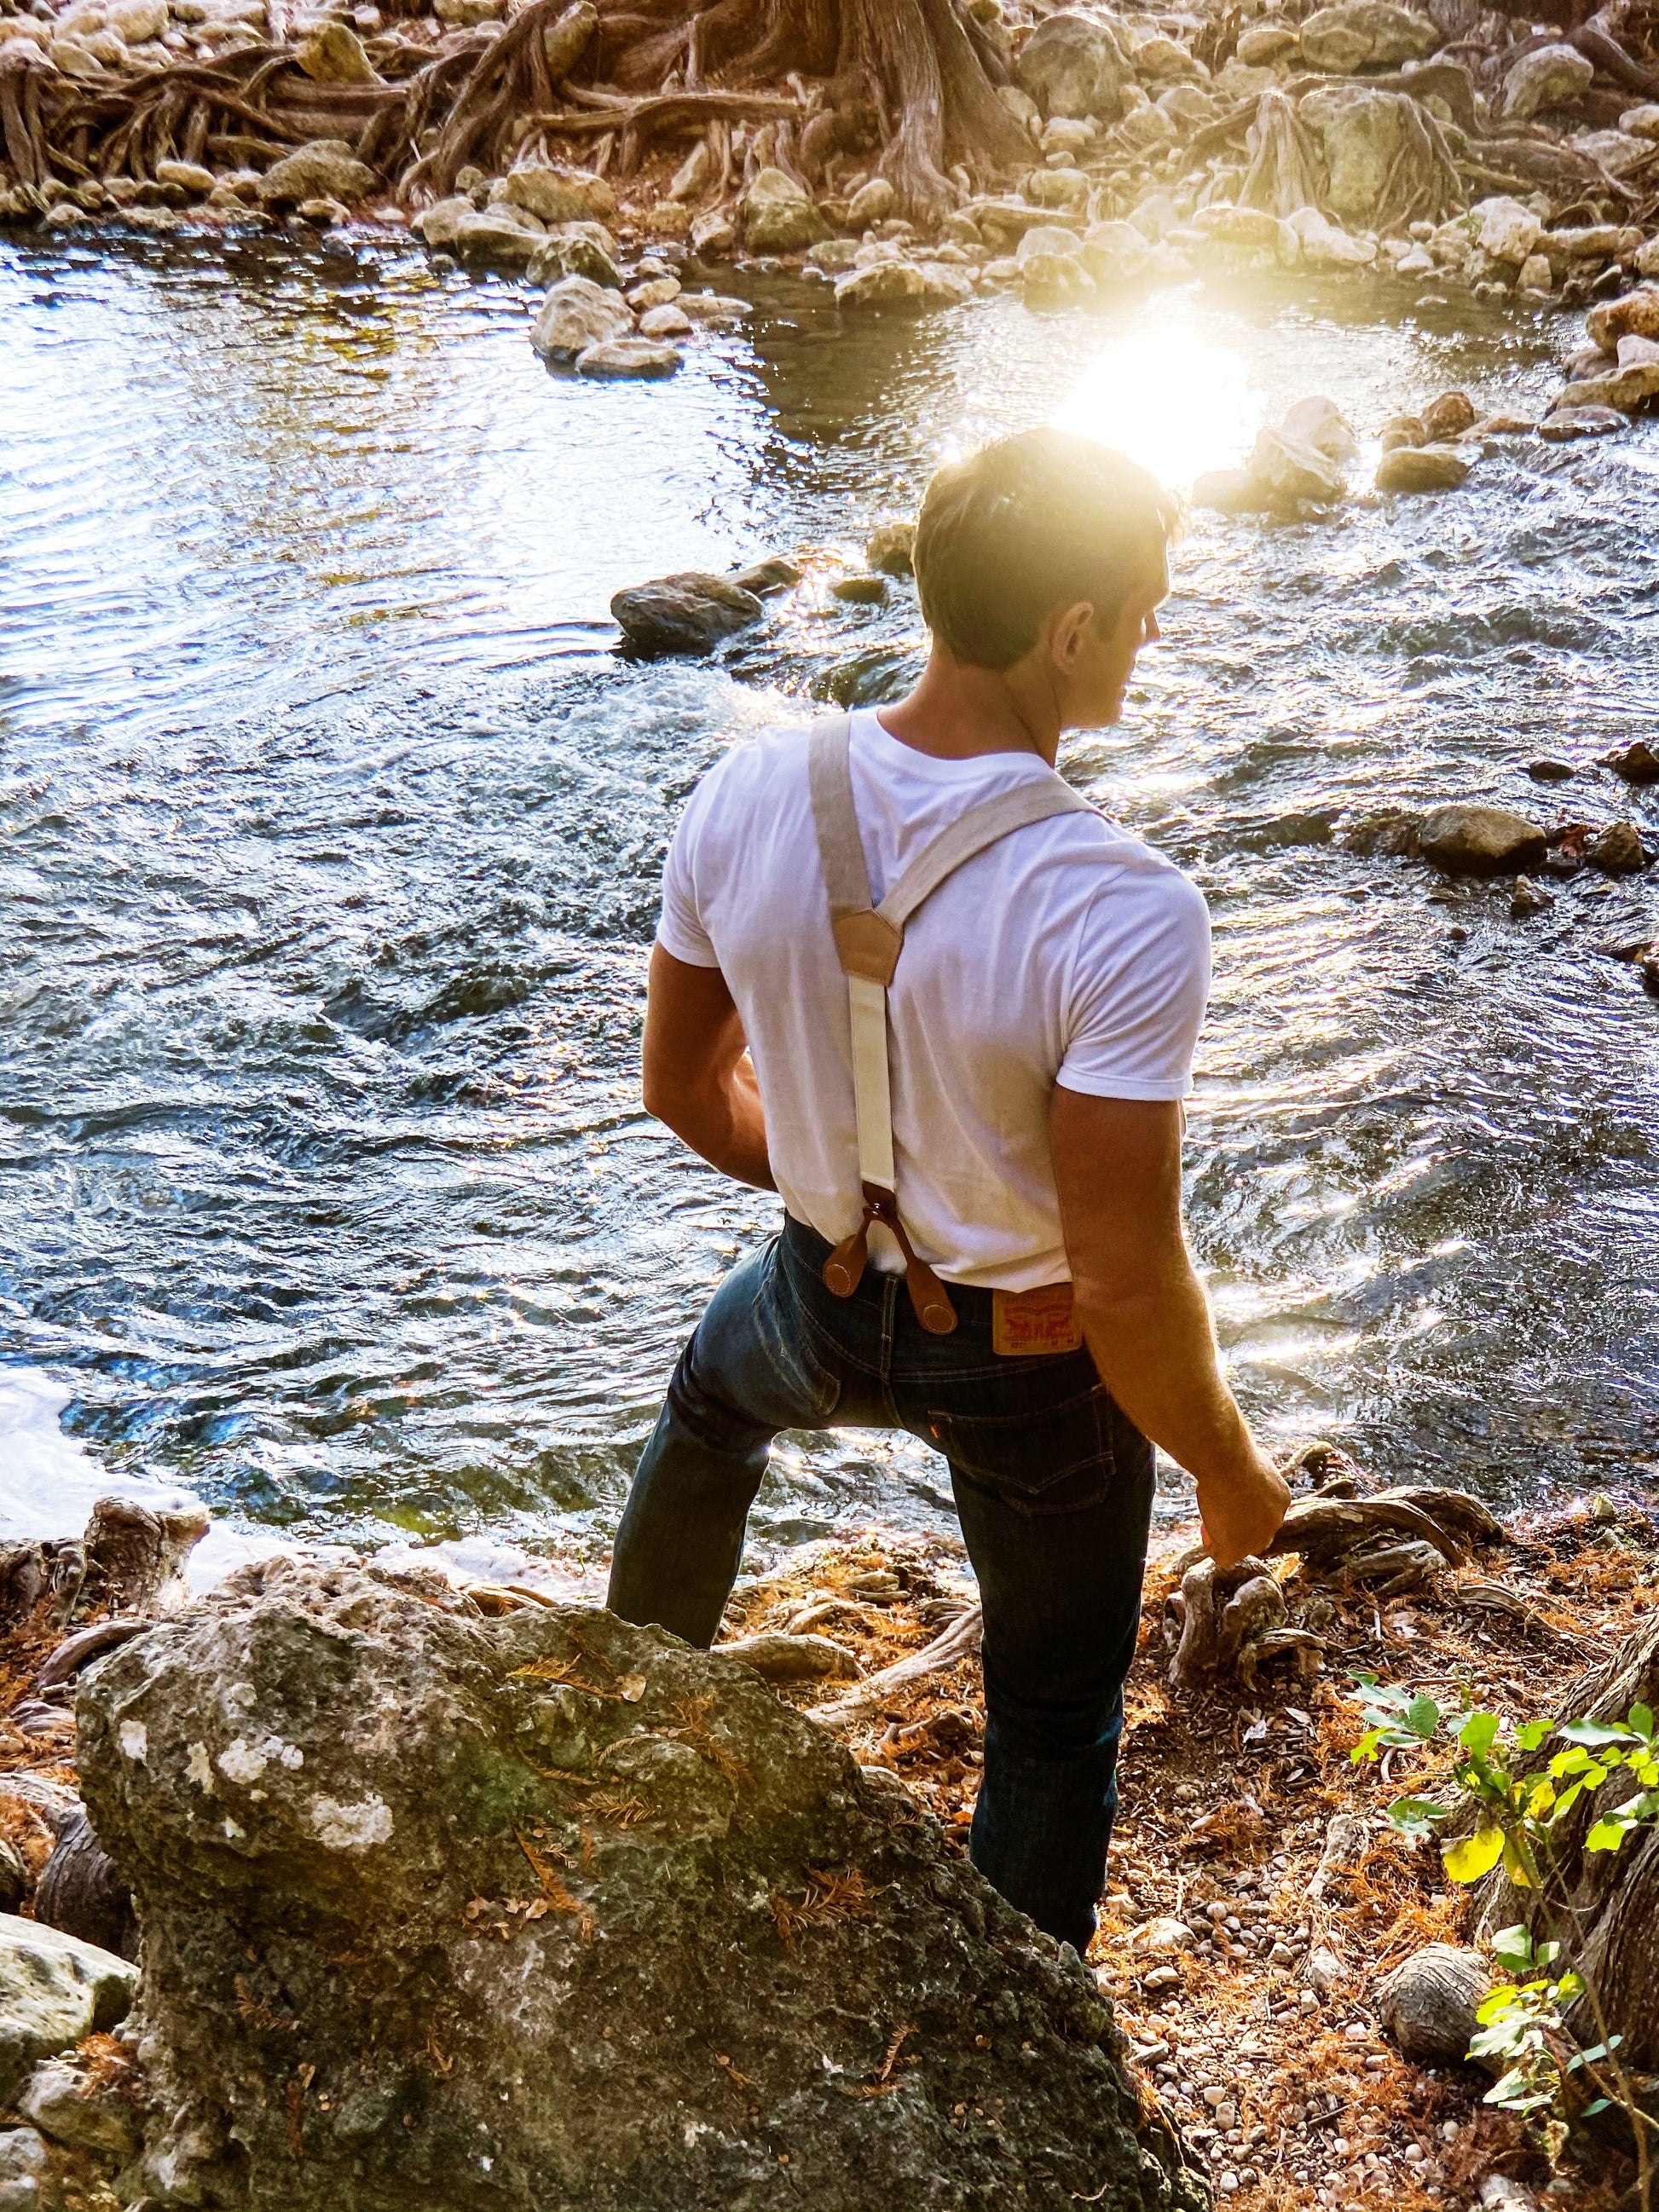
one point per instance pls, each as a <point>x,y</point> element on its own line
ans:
<point>1140,890</point>
<point>759,762</point>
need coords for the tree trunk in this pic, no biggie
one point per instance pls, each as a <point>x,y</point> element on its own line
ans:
<point>1612,1898</point>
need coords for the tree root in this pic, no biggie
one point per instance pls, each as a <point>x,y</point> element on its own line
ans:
<point>962,1637</point>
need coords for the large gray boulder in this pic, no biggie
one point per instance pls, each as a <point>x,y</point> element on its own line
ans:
<point>54,1991</point>
<point>1074,67</point>
<point>326,169</point>
<point>778,217</point>
<point>578,314</point>
<point>496,1916</point>
<point>1366,34</point>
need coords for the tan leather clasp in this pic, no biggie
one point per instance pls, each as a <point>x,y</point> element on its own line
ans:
<point>869,946</point>
<point>843,1270</point>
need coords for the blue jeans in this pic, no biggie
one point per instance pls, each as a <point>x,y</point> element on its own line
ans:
<point>1053,1487</point>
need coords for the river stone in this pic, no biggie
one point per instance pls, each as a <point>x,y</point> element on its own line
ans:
<point>1366,34</point>
<point>1326,245</point>
<point>1244,226</point>
<point>557,194</point>
<point>1072,66</point>
<point>713,309</point>
<point>54,1992</point>
<point>1480,841</point>
<point>139,21</point>
<point>1570,422</point>
<point>566,41</point>
<point>1635,315</point>
<point>498,234</point>
<point>577,249</point>
<point>1636,763</point>
<point>891,549</point>
<point>1266,43</point>
<point>326,169</point>
<point>778,217</point>
<point>1116,253</point>
<point>1362,135</point>
<point>872,202</point>
<point>1509,232</point>
<point>1430,2004</point>
<point>1289,468</point>
<point>898,283</point>
<point>333,53</point>
<point>1551,77</point>
<point>1422,468</point>
<point>1631,390</point>
<point>834,256</point>
<point>1319,422</point>
<point>1159,58</point>
<point>1450,414</point>
<point>578,314</point>
<point>439,223</point>
<point>1056,280</point>
<point>687,613</point>
<point>629,357</point>
<point>190,177</point>
<point>1617,151</point>
<point>63,2103</point>
<point>1618,850</point>
<point>1048,238</point>
<point>665,322</point>
<point>563,1912</point>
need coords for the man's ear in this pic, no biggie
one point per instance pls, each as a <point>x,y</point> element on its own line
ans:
<point>1066,636</point>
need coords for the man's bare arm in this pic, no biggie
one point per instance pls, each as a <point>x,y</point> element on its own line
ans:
<point>1117,1166</point>
<point>698,1076</point>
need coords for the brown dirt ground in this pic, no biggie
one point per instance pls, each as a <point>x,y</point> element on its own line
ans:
<point>1293,2100</point>
<point>1227,1801</point>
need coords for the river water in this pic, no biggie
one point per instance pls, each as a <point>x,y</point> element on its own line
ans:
<point>331,831</point>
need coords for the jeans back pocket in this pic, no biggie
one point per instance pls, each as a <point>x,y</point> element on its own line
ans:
<point>1052,1458</point>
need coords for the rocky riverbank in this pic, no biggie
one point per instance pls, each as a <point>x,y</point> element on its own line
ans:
<point>505,1781</point>
<point>1433,152</point>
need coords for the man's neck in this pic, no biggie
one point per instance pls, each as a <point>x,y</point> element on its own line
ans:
<point>957,713</point>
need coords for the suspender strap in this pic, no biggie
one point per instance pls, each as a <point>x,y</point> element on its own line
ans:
<point>868,941</point>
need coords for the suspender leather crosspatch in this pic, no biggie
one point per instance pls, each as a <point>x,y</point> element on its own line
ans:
<point>869,939</point>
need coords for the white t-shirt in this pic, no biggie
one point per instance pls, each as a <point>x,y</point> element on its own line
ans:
<point>1069,953</point>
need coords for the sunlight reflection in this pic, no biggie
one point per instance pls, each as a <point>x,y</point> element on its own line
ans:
<point>1171,399</point>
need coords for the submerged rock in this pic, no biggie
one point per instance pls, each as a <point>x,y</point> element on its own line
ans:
<point>1565,424</point>
<point>54,1992</point>
<point>1480,841</point>
<point>891,549</point>
<point>1637,762</point>
<point>687,613</point>
<point>637,356</point>
<point>903,284</point>
<point>1422,468</point>
<point>1618,850</point>
<point>557,1910</point>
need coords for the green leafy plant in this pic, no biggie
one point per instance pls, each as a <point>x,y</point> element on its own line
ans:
<point>1519,1809</point>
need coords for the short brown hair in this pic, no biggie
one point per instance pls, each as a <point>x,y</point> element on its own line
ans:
<point>1029,524</point>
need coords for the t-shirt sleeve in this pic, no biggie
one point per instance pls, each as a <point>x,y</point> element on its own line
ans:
<point>1140,981</point>
<point>679,925</point>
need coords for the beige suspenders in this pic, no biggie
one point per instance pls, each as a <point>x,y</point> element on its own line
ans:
<point>869,939</point>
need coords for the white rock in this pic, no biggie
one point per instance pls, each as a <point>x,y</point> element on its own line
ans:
<point>1366,34</point>
<point>778,217</point>
<point>1552,77</point>
<point>664,322</point>
<point>557,194</point>
<point>1047,238</point>
<point>1318,422</point>
<point>711,308</point>
<point>1641,122</point>
<point>1618,151</point>
<point>1116,253</point>
<point>1636,352</point>
<point>1324,245</point>
<point>619,357</point>
<point>1508,231</point>
<point>1072,66</point>
<point>1535,275</point>
<point>578,314</point>
<point>872,202</point>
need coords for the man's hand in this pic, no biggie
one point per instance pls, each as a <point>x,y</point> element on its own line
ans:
<point>697,1075</point>
<point>1242,1511</point>
<point>1117,1168</point>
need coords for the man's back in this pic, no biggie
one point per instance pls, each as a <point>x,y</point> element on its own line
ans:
<point>1069,953</point>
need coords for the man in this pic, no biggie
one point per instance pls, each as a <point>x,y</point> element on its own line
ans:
<point>1014,1129</point>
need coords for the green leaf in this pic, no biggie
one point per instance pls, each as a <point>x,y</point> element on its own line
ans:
<point>1423,1716</point>
<point>1566,1801</point>
<point>1605,1836</point>
<point>1601,2104</point>
<point>1641,1719</point>
<point>1514,1864</point>
<point>1478,1733</point>
<point>1569,1988</point>
<point>1512,1946</point>
<point>1471,1857</point>
<point>1415,1816</point>
<point>1547,1954</point>
<point>1531,1734</point>
<point>1594,1733</point>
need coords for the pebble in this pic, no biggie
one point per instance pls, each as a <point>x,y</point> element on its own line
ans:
<point>1549,770</point>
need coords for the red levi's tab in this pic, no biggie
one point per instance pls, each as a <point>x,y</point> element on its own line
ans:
<point>1026,1322</point>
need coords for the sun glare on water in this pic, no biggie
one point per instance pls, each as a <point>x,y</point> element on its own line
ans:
<point>1177,403</point>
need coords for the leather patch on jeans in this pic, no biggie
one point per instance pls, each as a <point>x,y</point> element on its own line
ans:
<point>1024,1324</point>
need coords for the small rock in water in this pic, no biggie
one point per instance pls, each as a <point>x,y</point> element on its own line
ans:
<point>1637,762</point>
<point>664,323</point>
<point>861,591</point>
<point>189,176</point>
<point>711,308</point>
<point>763,577</point>
<point>618,357</point>
<point>1403,430</point>
<point>1636,314</point>
<point>1480,841</point>
<point>1421,468</point>
<point>1229,491</point>
<point>578,314</point>
<point>1449,415</point>
<point>687,613</point>
<point>325,168</point>
<point>1528,899</point>
<point>900,283</point>
<point>1618,850</point>
<point>1565,423</point>
<point>655,292</point>
<point>891,549</point>
<point>1549,770</point>
<point>1289,468</point>
<point>778,217</point>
